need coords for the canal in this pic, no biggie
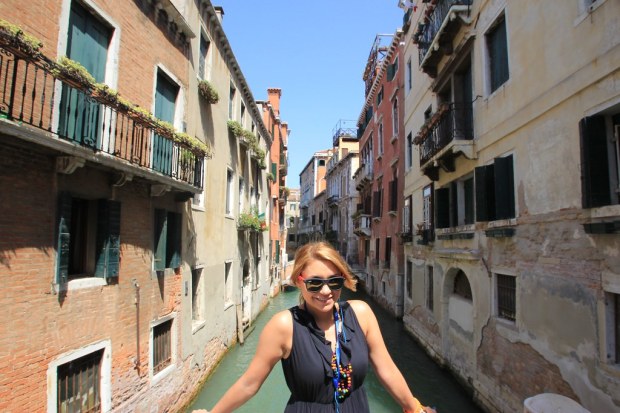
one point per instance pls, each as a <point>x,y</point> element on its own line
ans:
<point>431,384</point>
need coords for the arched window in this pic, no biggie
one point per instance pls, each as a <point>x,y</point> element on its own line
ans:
<point>461,285</point>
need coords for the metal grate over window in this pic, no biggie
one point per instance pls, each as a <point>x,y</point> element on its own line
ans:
<point>79,384</point>
<point>506,297</point>
<point>162,343</point>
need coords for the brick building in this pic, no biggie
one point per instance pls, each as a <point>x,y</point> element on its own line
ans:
<point>111,220</point>
<point>379,178</point>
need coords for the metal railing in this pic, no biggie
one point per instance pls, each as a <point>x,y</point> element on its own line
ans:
<point>436,19</point>
<point>455,123</point>
<point>30,94</point>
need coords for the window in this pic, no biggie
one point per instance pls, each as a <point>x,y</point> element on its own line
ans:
<point>380,96</point>
<point>495,198</point>
<point>380,139</point>
<point>88,42</point>
<point>162,346</point>
<point>612,329</point>
<point>228,282</point>
<point>377,198</point>
<point>430,304</point>
<point>202,60</point>
<point>407,216</point>
<point>427,206</point>
<point>395,118</point>
<point>388,251</point>
<point>408,75</point>
<point>168,227</point>
<point>197,295</point>
<point>461,286</point>
<point>383,286</point>
<point>455,203</point>
<point>229,192</point>
<point>166,94</point>
<point>198,200</point>
<point>377,245</point>
<point>79,384</point>
<point>243,115</point>
<point>392,69</point>
<point>506,296</point>
<point>409,274</point>
<point>241,193</point>
<point>88,238</point>
<point>498,54</point>
<point>393,195</point>
<point>231,102</point>
<point>409,151</point>
<point>600,160</point>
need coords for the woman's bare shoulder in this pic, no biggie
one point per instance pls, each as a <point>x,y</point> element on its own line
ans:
<point>281,322</point>
<point>360,307</point>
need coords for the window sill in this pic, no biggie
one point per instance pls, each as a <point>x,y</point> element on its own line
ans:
<point>379,157</point>
<point>392,213</point>
<point>163,374</point>
<point>376,219</point>
<point>228,304</point>
<point>81,283</point>
<point>198,325</point>
<point>198,208</point>
<point>229,216</point>
<point>394,139</point>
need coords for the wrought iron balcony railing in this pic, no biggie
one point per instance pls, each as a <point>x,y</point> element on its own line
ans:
<point>439,22</point>
<point>31,94</point>
<point>454,122</point>
<point>361,225</point>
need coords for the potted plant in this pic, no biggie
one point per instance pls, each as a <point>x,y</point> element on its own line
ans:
<point>19,42</point>
<point>208,92</point>
<point>270,177</point>
<point>73,72</point>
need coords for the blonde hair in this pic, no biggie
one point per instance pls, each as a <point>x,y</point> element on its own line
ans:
<point>322,251</point>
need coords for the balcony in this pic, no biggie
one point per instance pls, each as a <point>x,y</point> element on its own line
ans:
<point>363,176</point>
<point>332,200</point>
<point>448,132</point>
<point>39,105</point>
<point>361,225</point>
<point>436,31</point>
<point>283,166</point>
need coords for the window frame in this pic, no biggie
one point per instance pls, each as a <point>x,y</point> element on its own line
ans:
<point>496,80</point>
<point>171,365</point>
<point>501,310</point>
<point>228,205</point>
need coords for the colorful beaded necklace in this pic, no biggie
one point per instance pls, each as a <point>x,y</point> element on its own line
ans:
<point>342,376</point>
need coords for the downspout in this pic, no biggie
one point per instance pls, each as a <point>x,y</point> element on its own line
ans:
<point>137,303</point>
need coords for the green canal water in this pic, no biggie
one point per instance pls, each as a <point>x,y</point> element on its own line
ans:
<point>431,384</point>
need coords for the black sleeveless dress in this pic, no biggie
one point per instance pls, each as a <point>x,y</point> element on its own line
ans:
<point>308,371</point>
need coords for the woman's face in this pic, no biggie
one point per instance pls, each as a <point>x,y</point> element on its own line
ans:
<point>324,299</point>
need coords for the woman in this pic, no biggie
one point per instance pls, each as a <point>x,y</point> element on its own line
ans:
<point>325,346</point>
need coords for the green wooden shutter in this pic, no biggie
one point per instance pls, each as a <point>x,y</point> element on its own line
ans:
<point>165,98</point>
<point>87,43</point>
<point>442,197</point>
<point>277,251</point>
<point>485,193</point>
<point>63,246</point>
<point>161,234</point>
<point>594,162</point>
<point>174,240</point>
<point>108,239</point>
<point>504,188</point>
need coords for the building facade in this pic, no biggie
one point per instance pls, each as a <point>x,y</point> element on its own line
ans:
<point>311,184</point>
<point>122,259</point>
<point>511,201</point>
<point>380,176</point>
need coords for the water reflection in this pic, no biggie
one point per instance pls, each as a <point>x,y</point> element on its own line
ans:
<point>431,384</point>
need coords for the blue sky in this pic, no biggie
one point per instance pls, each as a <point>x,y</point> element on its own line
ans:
<point>315,51</point>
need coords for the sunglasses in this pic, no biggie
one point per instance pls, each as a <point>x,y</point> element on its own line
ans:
<point>315,284</point>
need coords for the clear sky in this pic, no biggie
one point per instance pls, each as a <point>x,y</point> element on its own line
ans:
<point>315,51</point>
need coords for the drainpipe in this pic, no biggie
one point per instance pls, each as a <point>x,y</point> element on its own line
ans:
<point>137,303</point>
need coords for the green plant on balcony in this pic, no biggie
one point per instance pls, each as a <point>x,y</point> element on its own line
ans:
<point>285,192</point>
<point>22,43</point>
<point>73,73</point>
<point>208,92</point>
<point>250,221</point>
<point>270,177</point>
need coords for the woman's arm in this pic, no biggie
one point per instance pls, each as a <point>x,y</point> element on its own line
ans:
<point>274,343</point>
<point>385,368</point>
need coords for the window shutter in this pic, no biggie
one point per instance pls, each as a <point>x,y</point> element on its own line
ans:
<point>454,205</point>
<point>274,170</point>
<point>442,196</point>
<point>173,242</point>
<point>277,252</point>
<point>161,233</point>
<point>108,239</point>
<point>64,237</point>
<point>485,193</point>
<point>504,188</point>
<point>594,164</point>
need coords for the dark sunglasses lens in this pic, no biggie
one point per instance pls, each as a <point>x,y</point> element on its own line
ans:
<point>335,283</point>
<point>314,284</point>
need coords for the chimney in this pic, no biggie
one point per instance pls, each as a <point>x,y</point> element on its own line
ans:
<point>273,95</point>
<point>219,12</point>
